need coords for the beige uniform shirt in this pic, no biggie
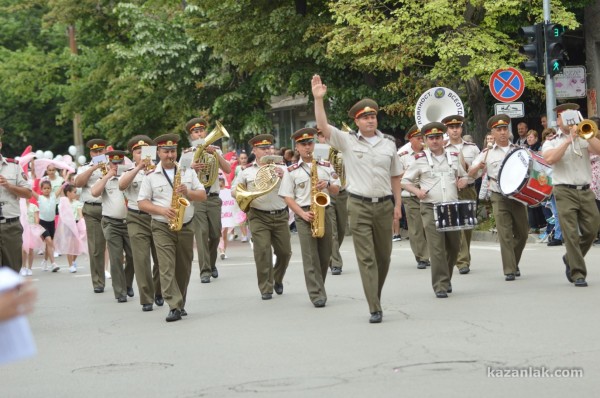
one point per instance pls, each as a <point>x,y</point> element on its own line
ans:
<point>270,201</point>
<point>296,184</point>
<point>133,190</point>
<point>571,169</point>
<point>157,189</point>
<point>437,174</point>
<point>493,162</point>
<point>407,158</point>
<point>113,200</point>
<point>468,152</point>
<point>369,167</point>
<point>86,195</point>
<point>15,176</point>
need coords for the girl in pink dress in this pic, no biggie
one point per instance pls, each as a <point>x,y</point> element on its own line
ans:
<point>71,237</point>
<point>32,234</point>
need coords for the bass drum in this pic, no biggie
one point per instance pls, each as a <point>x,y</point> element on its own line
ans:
<point>525,177</point>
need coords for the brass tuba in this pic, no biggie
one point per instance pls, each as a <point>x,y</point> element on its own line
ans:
<point>437,103</point>
<point>209,173</point>
<point>318,202</point>
<point>266,180</point>
<point>178,203</point>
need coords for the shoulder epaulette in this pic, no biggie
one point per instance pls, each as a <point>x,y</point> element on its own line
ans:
<point>150,172</point>
<point>10,160</point>
<point>468,143</point>
<point>390,137</point>
<point>419,155</point>
<point>354,133</point>
<point>453,153</point>
<point>246,166</point>
<point>323,163</point>
<point>485,149</point>
<point>551,137</point>
<point>293,167</point>
<point>403,153</point>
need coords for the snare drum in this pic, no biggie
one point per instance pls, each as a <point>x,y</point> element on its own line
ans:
<point>525,177</point>
<point>454,216</point>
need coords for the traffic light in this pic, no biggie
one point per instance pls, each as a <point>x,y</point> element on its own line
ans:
<point>534,49</point>
<point>555,50</point>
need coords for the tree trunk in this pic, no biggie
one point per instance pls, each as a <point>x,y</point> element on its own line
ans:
<point>479,110</point>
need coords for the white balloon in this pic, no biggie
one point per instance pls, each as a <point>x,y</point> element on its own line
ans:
<point>17,158</point>
<point>58,158</point>
<point>67,159</point>
<point>72,150</point>
<point>48,155</point>
<point>39,154</point>
<point>81,159</point>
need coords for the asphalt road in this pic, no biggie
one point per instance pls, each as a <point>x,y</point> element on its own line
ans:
<point>233,344</point>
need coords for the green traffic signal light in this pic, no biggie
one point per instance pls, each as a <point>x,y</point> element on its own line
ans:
<point>555,52</point>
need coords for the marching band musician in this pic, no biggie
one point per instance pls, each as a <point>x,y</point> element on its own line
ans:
<point>467,151</point>
<point>416,231</point>
<point>13,186</point>
<point>297,190</point>
<point>87,176</point>
<point>174,248</point>
<point>339,221</point>
<point>114,227</point>
<point>138,227</point>
<point>571,174</point>
<point>268,219</point>
<point>440,175</point>
<point>510,215</point>
<point>373,174</point>
<point>207,216</point>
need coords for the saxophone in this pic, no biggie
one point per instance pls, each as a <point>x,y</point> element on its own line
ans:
<point>318,202</point>
<point>178,203</point>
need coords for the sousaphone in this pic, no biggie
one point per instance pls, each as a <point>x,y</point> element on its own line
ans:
<point>437,103</point>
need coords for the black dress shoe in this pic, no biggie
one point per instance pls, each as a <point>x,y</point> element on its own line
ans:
<point>554,242</point>
<point>183,312</point>
<point>215,273</point>
<point>509,277</point>
<point>278,288</point>
<point>336,271</point>
<point>518,273</point>
<point>319,303</point>
<point>205,279</point>
<point>146,307</point>
<point>567,269</point>
<point>376,317</point>
<point>580,282</point>
<point>464,270</point>
<point>130,291</point>
<point>421,265</point>
<point>98,290</point>
<point>174,315</point>
<point>441,294</point>
<point>267,296</point>
<point>159,300</point>
<point>449,290</point>
<point>122,299</point>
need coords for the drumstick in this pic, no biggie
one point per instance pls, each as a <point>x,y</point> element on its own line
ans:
<point>489,147</point>
<point>431,187</point>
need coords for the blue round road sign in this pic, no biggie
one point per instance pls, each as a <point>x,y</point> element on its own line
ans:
<point>507,85</point>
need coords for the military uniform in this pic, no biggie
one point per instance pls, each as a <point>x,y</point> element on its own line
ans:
<point>339,220</point>
<point>370,164</point>
<point>437,175</point>
<point>268,221</point>
<point>412,205</point>
<point>114,227</point>
<point>316,252</point>
<point>510,215</point>
<point>577,210</point>
<point>140,235</point>
<point>174,248</point>
<point>92,214</point>
<point>11,230</point>
<point>467,153</point>
<point>207,220</point>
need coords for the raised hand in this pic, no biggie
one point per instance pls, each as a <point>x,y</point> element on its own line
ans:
<point>318,88</point>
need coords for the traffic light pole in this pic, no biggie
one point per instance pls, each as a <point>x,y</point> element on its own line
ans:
<point>550,93</point>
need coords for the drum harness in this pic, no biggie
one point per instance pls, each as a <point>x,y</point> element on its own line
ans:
<point>440,174</point>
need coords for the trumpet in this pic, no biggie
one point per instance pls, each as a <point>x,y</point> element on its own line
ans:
<point>586,129</point>
<point>149,165</point>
